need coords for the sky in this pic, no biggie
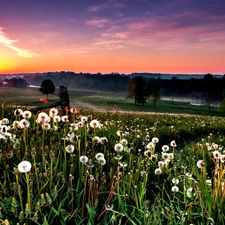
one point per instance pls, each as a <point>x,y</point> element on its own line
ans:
<point>120,36</point>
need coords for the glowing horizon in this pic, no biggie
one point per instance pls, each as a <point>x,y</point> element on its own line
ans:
<point>113,36</point>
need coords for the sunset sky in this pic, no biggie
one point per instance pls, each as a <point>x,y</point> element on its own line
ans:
<point>124,36</point>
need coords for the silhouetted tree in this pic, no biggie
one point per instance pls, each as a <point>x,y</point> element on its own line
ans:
<point>208,93</point>
<point>47,87</point>
<point>137,88</point>
<point>154,91</point>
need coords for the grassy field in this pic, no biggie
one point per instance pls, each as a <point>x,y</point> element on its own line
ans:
<point>108,166</point>
<point>87,99</point>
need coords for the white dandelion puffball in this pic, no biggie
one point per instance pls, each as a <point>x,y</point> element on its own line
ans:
<point>69,148</point>
<point>200,164</point>
<point>175,181</point>
<point>118,147</point>
<point>24,123</point>
<point>94,124</point>
<point>27,114</point>
<point>102,161</point>
<point>155,140</point>
<point>165,148</point>
<point>158,171</point>
<point>18,112</point>
<point>83,159</point>
<point>175,189</point>
<point>43,118</point>
<point>84,119</point>
<point>24,166</point>
<point>99,155</point>
<point>173,144</point>
<point>150,145</point>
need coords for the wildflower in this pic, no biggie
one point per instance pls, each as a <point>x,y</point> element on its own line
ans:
<point>80,124</point>
<point>161,164</point>
<point>73,137</point>
<point>158,171</point>
<point>165,148</point>
<point>16,124</point>
<point>167,162</point>
<point>46,126</point>
<point>222,158</point>
<point>24,123</point>
<point>65,119</point>
<point>83,159</point>
<point>119,133</point>
<point>84,119</point>
<point>56,119</point>
<point>73,110</point>
<point>43,118</point>
<point>123,164</point>
<point>53,112</point>
<point>175,181</point>
<point>123,142</point>
<point>5,121</point>
<point>102,161</point>
<point>18,112</point>
<point>200,164</point>
<point>146,153</point>
<point>171,156</point>
<point>209,182</point>
<point>27,114</point>
<point>150,145</point>
<point>165,156</point>
<point>94,124</point>
<point>104,140</point>
<point>173,144</point>
<point>118,147</point>
<point>175,189</point>
<point>190,192</point>
<point>216,154</point>
<point>3,128</point>
<point>69,148</point>
<point>96,139</point>
<point>99,155</point>
<point>24,166</point>
<point>155,140</point>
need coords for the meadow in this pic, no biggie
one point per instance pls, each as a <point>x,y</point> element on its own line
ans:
<point>109,166</point>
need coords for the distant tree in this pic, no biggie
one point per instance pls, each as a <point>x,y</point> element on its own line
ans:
<point>154,90</point>
<point>47,87</point>
<point>137,88</point>
<point>208,93</point>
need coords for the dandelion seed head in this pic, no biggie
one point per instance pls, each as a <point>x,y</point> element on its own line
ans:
<point>18,112</point>
<point>102,161</point>
<point>69,148</point>
<point>165,148</point>
<point>173,144</point>
<point>175,181</point>
<point>24,166</point>
<point>175,189</point>
<point>158,171</point>
<point>94,124</point>
<point>83,159</point>
<point>118,147</point>
<point>200,164</point>
<point>27,114</point>
<point>155,140</point>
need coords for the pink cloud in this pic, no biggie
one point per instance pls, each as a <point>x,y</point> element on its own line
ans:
<point>97,22</point>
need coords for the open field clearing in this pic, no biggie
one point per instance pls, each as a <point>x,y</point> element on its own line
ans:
<point>108,166</point>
